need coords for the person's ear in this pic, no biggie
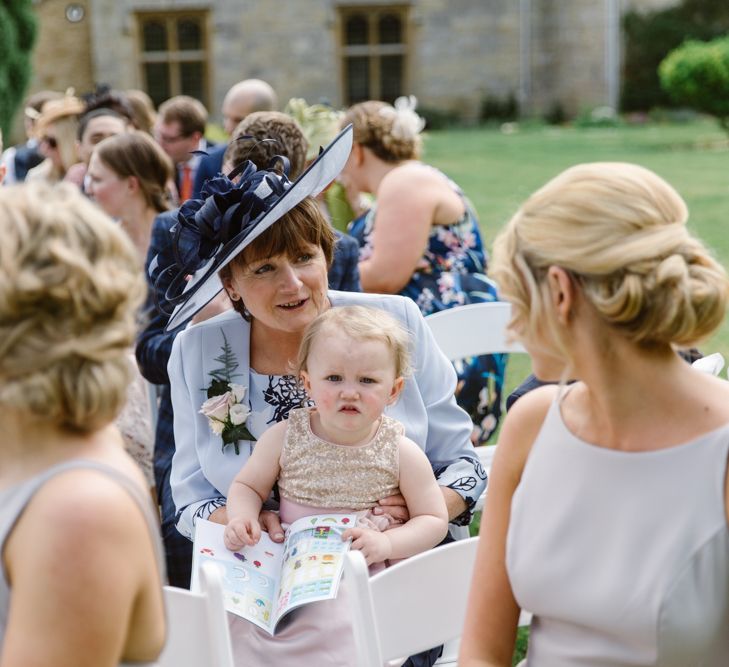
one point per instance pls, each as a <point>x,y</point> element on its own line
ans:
<point>2,172</point>
<point>133,184</point>
<point>230,290</point>
<point>396,390</point>
<point>358,154</point>
<point>305,381</point>
<point>562,292</point>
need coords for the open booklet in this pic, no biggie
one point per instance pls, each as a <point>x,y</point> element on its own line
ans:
<point>264,582</point>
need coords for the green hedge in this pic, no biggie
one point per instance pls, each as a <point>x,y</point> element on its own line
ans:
<point>17,37</point>
<point>651,36</point>
<point>696,75</point>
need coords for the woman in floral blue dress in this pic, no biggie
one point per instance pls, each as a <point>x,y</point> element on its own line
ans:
<point>421,239</point>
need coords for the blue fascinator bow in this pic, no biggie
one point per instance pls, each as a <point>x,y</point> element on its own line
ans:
<point>209,232</point>
<point>225,213</point>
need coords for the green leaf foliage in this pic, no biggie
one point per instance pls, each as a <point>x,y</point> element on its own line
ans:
<point>226,372</point>
<point>651,36</point>
<point>17,36</point>
<point>696,74</point>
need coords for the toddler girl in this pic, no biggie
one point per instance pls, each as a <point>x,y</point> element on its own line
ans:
<point>343,454</point>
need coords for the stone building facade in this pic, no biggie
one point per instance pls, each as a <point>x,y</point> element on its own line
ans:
<point>451,54</point>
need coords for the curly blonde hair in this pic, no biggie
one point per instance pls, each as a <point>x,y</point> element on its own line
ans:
<point>70,288</point>
<point>375,126</point>
<point>620,230</point>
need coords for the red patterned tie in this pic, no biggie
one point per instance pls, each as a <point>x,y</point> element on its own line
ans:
<point>186,183</point>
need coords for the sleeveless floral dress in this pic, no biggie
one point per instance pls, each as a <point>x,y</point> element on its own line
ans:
<point>452,272</point>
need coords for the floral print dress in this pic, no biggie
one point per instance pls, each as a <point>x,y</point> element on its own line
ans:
<point>452,272</point>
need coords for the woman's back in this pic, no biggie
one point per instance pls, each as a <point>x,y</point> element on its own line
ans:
<point>623,557</point>
<point>65,484</point>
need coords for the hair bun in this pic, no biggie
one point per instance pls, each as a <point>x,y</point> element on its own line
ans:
<point>70,286</point>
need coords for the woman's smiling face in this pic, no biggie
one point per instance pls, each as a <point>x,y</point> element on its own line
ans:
<point>282,293</point>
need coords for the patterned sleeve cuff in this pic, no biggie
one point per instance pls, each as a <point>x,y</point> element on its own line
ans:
<point>187,517</point>
<point>467,477</point>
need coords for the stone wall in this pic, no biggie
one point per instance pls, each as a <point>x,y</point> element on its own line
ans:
<point>62,57</point>
<point>460,51</point>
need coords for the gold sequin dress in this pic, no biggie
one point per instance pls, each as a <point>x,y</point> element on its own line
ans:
<point>318,475</point>
<point>322,474</point>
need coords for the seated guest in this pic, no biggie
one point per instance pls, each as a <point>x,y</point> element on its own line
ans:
<point>421,238</point>
<point>276,276</point>
<point>81,571</point>
<point>606,516</point>
<point>243,98</point>
<point>273,133</point>
<point>93,127</point>
<point>57,128</point>
<point>127,178</point>
<point>17,160</point>
<point>180,130</point>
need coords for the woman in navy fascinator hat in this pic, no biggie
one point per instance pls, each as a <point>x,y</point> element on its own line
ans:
<point>262,239</point>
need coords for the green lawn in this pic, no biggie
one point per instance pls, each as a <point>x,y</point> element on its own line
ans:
<point>498,171</point>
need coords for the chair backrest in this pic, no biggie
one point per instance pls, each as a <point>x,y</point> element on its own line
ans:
<point>411,606</point>
<point>479,328</point>
<point>197,624</point>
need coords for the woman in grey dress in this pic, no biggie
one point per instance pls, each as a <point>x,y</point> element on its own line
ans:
<point>80,576</point>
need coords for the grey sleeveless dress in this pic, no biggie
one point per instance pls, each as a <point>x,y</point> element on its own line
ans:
<point>14,500</point>
<point>622,557</point>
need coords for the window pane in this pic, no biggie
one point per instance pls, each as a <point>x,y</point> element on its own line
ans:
<point>389,30</point>
<point>355,31</point>
<point>155,36</point>
<point>391,68</point>
<point>158,82</point>
<point>358,79</point>
<point>191,80</point>
<point>189,35</point>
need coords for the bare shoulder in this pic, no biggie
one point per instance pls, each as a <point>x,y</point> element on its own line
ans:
<point>86,502</point>
<point>522,425</point>
<point>410,176</point>
<point>80,516</point>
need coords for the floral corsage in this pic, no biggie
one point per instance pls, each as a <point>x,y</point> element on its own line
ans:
<point>225,410</point>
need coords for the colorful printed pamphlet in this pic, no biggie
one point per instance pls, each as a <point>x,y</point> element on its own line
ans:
<point>264,582</point>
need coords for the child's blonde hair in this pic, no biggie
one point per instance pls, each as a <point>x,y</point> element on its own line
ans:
<point>360,324</point>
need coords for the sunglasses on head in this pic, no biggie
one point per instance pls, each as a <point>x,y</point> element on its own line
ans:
<point>51,141</point>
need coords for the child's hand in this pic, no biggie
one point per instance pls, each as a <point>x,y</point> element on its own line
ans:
<point>374,545</point>
<point>241,533</point>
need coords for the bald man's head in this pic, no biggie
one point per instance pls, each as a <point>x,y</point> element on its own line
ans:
<point>244,98</point>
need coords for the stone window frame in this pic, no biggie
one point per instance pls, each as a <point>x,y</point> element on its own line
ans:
<point>174,56</point>
<point>373,50</point>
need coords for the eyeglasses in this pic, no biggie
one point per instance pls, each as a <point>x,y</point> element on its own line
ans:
<point>51,141</point>
<point>166,139</point>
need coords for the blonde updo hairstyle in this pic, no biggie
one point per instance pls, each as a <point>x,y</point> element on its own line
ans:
<point>377,126</point>
<point>360,324</point>
<point>70,287</point>
<point>620,230</point>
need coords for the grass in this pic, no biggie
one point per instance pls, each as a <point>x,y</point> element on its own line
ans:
<point>498,171</point>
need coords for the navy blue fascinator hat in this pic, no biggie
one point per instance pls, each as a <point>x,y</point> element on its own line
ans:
<point>228,217</point>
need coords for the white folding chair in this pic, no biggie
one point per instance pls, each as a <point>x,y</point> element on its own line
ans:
<point>197,624</point>
<point>411,606</point>
<point>468,331</point>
